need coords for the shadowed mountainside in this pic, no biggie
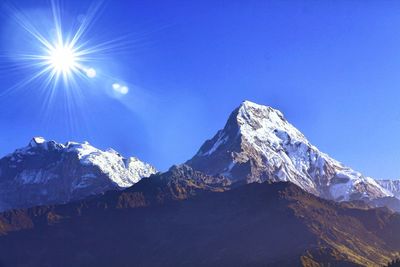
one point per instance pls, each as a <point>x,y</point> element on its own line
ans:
<point>186,218</point>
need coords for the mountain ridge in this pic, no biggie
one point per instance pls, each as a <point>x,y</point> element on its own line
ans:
<point>259,144</point>
<point>188,218</point>
<point>46,172</point>
<point>391,185</point>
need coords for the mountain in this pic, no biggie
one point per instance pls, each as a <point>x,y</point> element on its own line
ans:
<point>46,172</point>
<point>257,194</point>
<point>391,185</point>
<point>186,218</point>
<point>258,144</point>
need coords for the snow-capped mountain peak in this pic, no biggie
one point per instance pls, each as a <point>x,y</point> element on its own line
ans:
<point>46,172</point>
<point>259,124</point>
<point>257,121</point>
<point>36,141</point>
<point>259,144</point>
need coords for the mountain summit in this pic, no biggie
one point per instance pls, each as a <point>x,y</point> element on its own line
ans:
<point>46,172</point>
<point>258,144</point>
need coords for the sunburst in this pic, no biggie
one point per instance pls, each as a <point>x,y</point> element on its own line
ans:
<point>60,57</point>
<point>65,55</point>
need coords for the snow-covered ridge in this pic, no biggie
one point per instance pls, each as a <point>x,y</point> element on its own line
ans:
<point>392,186</point>
<point>122,171</point>
<point>259,144</point>
<point>47,172</point>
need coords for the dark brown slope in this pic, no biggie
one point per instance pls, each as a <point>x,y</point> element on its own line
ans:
<point>185,218</point>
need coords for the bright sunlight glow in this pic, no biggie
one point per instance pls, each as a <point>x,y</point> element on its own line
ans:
<point>60,56</point>
<point>62,59</point>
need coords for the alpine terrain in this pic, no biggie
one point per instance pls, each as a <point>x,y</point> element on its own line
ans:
<point>46,172</point>
<point>258,144</point>
<point>391,185</point>
<point>186,218</point>
<point>257,194</point>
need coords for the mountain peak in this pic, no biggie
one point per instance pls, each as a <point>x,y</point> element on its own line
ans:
<point>37,140</point>
<point>253,110</point>
<point>263,123</point>
<point>258,144</point>
<point>250,107</point>
<point>47,172</point>
<point>246,104</point>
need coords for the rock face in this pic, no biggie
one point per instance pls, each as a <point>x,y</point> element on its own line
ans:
<point>258,144</point>
<point>185,218</point>
<point>46,172</point>
<point>391,185</point>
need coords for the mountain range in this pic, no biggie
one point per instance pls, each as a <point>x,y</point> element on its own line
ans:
<point>258,193</point>
<point>186,218</point>
<point>46,172</point>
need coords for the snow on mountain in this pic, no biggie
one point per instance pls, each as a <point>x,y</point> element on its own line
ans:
<point>259,144</point>
<point>46,172</point>
<point>392,186</point>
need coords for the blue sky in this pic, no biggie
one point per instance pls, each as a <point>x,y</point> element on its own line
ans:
<point>332,67</point>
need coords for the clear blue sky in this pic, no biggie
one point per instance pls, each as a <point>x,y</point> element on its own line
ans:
<point>332,67</point>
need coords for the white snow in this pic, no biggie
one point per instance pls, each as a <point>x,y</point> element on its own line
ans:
<point>37,141</point>
<point>295,159</point>
<point>123,172</point>
<point>221,140</point>
<point>393,186</point>
<point>228,169</point>
<point>35,176</point>
<point>138,169</point>
<point>112,163</point>
<point>46,172</point>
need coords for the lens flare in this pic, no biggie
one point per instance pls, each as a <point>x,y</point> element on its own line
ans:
<point>122,89</point>
<point>59,57</point>
<point>91,73</point>
<point>63,55</point>
<point>116,86</point>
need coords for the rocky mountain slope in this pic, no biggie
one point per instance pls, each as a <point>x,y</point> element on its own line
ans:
<point>257,194</point>
<point>391,185</point>
<point>258,144</point>
<point>46,172</point>
<point>186,218</point>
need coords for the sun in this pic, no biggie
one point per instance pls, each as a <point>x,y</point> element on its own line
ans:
<point>63,55</point>
<point>58,55</point>
<point>62,59</point>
